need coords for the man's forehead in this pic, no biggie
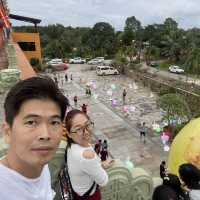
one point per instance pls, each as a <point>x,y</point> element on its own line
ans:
<point>39,107</point>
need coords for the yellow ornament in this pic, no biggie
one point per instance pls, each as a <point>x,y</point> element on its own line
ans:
<point>185,147</point>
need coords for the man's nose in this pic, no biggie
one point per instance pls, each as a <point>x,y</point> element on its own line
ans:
<point>44,132</point>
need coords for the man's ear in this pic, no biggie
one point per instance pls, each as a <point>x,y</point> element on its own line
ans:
<point>6,132</point>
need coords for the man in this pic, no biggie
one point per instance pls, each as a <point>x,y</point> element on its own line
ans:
<point>97,147</point>
<point>75,101</point>
<point>124,96</point>
<point>34,111</point>
<point>163,171</point>
<point>143,130</point>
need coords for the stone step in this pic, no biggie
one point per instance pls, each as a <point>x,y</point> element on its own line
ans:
<point>3,59</point>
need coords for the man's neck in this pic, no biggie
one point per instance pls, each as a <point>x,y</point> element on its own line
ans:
<point>22,168</point>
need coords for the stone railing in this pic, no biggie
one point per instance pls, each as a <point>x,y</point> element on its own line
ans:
<point>124,184</point>
<point>11,75</point>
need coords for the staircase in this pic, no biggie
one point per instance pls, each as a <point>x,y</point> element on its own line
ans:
<point>3,58</point>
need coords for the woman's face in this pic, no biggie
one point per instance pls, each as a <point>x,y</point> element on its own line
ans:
<point>81,130</point>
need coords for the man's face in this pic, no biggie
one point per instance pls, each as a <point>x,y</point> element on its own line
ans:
<point>35,133</point>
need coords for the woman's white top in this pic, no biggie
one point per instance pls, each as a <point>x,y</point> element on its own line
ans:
<point>82,171</point>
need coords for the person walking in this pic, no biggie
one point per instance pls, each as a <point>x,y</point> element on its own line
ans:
<point>105,144</point>
<point>84,108</point>
<point>104,154</point>
<point>124,96</point>
<point>143,130</point>
<point>163,170</point>
<point>98,147</point>
<point>89,92</point>
<point>75,101</point>
<point>71,77</point>
<point>66,77</point>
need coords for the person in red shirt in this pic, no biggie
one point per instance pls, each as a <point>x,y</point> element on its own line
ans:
<point>104,154</point>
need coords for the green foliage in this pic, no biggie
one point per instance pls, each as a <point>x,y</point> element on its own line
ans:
<point>178,128</point>
<point>165,41</point>
<point>34,61</point>
<point>192,64</point>
<point>36,64</point>
<point>174,106</point>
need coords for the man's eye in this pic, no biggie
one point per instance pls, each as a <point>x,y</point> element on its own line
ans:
<point>31,123</point>
<point>56,122</point>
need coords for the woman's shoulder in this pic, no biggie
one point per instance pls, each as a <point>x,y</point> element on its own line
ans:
<point>88,154</point>
<point>83,152</point>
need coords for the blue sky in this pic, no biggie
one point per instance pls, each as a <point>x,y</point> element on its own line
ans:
<point>88,12</point>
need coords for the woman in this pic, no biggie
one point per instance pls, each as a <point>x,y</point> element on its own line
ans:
<point>190,175</point>
<point>85,169</point>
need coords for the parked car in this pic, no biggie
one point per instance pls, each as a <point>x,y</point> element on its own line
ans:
<point>55,61</point>
<point>77,60</point>
<point>101,59</point>
<point>106,70</point>
<point>56,65</point>
<point>154,64</point>
<point>94,62</point>
<point>176,69</point>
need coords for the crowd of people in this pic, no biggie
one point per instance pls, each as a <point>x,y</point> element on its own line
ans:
<point>184,187</point>
<point>35,110</point>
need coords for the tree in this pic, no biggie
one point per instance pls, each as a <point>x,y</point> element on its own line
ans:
<point>192,64</point>
<point>170,24</point>
<point>132,27</point>
<point>101,39</point>
<point>175,107</point>
<point>132,24</point>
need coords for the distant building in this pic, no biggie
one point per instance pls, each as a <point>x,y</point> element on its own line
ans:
<point>28,42</point>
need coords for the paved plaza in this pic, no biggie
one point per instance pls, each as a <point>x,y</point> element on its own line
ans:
<point>112,121</point>
<point>120,128</point>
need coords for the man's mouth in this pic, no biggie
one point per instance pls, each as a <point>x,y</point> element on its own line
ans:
<point>42,150</point>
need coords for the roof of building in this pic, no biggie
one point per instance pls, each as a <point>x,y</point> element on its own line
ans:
<point>25,19</point>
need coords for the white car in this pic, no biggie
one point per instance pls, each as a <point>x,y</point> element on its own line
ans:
<point>176,69</point>
<point>55,61</point>
<point>77,60</point>
<point>106,70</point>
<point>94,62</point>
<point>101,59</point>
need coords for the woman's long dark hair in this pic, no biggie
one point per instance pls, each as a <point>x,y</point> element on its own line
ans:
<point>190,175</point>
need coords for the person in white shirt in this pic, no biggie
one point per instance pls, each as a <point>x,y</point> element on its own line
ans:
<point>34,111</point>
<point>190,175</point>
<point>84,166</point>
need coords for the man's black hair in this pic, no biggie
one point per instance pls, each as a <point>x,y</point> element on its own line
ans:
<point>33,88</point>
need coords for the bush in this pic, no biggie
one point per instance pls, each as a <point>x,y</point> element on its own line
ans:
<point>34,61</point>
<point>178,128</point>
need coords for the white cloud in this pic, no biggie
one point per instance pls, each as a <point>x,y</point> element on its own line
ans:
<point>89,12</point>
